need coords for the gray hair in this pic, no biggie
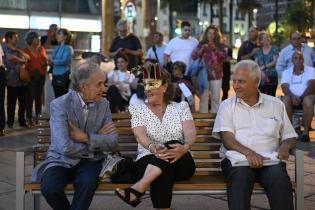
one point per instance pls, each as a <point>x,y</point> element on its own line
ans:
<point>249,66</point>
<point>30,36</point>
<point>121,22</point>
<point>82,73</point>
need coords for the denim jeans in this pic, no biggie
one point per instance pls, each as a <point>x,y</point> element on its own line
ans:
<point>85,181</point>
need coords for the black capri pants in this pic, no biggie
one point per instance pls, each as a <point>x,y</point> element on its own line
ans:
<point>161,188</point>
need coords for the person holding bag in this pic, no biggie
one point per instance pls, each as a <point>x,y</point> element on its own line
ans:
<point>211,51</point>
<point>61,62</point>
<point>15,60</point>
<point>37,67</point>
<point>165,131</point>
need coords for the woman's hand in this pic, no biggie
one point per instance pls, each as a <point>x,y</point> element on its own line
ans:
<point>175,152</point>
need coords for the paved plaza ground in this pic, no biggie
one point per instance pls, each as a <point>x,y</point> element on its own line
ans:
<point>19,138</point>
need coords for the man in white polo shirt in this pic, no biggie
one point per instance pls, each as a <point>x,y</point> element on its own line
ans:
<point>255,131</point>
<point>298,86</point>
<point>180,48</point>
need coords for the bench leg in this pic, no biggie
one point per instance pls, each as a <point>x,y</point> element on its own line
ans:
<point>19,193</point>
<point>36,202</point>
<point>299,179</point>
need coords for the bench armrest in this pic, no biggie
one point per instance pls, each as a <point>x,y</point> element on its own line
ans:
<point>299,179</point>
<point>20,173</point>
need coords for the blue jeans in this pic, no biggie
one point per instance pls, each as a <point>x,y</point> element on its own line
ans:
<point>274,179</point>
<point>85,181</point>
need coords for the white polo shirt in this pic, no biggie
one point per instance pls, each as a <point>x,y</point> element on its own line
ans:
<point>259,127</point>
<point>298,83</point>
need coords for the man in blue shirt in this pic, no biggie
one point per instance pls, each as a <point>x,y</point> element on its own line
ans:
<point>285,57</point>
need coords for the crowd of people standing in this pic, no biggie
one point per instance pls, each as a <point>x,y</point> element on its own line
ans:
<point>171,76</point>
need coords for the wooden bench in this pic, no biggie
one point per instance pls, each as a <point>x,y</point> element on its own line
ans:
<point>208,178</point>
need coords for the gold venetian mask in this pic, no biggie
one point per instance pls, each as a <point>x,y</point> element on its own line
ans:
<point>152,84</point>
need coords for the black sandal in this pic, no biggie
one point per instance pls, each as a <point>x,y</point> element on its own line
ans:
<point>127,193</point>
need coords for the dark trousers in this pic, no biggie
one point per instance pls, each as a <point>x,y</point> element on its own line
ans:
<point>13,94</point>
<point>274,179</point>
<point>269,89</point>
<point>59,91</point>
<point>2,97</point>
<point>161,188</point>
<point>85,181</point>
<point>35,92</point>
<point>116,101</point>
<point>226,80</point>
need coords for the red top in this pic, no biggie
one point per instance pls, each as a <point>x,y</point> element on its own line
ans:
<point>38,60</point>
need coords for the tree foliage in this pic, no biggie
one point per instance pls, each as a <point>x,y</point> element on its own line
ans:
<point>299,16</point>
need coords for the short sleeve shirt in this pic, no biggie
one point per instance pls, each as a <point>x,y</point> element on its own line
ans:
<point>298,83</point>
<point>130,42</point>
<point>246,48</point>
<point>259,127</point>
<point>180,49</point>
<point>13,79</point>
<point>160,132</point>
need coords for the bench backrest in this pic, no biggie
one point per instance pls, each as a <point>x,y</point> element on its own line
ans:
<point>205,151</point>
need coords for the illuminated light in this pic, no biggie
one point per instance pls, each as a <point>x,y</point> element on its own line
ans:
<point>41,22</point>
<point>255,10</point>
<point>178,31</point>
<point>200,23</point>
<point>238,43</point>
<point>14,21</point>
<point>95,43</point>
<point>310,44</point>
<point>3,39</point>
<point>156,18</point>
<point>206,23</point>
<point>76,24</point>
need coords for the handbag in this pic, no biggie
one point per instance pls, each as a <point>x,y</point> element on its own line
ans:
<point>109,166</point>
<point>117,169</point>
<point>61,81</point>
<point>24,74</point>
<point>198,71</point>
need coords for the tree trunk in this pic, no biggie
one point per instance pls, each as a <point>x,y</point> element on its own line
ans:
<point>149,24</point>
<point>277,21</point>
<point>221,16</point>
<point>211,15</point>
<point>107,24</point>
<point>231,22</point>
